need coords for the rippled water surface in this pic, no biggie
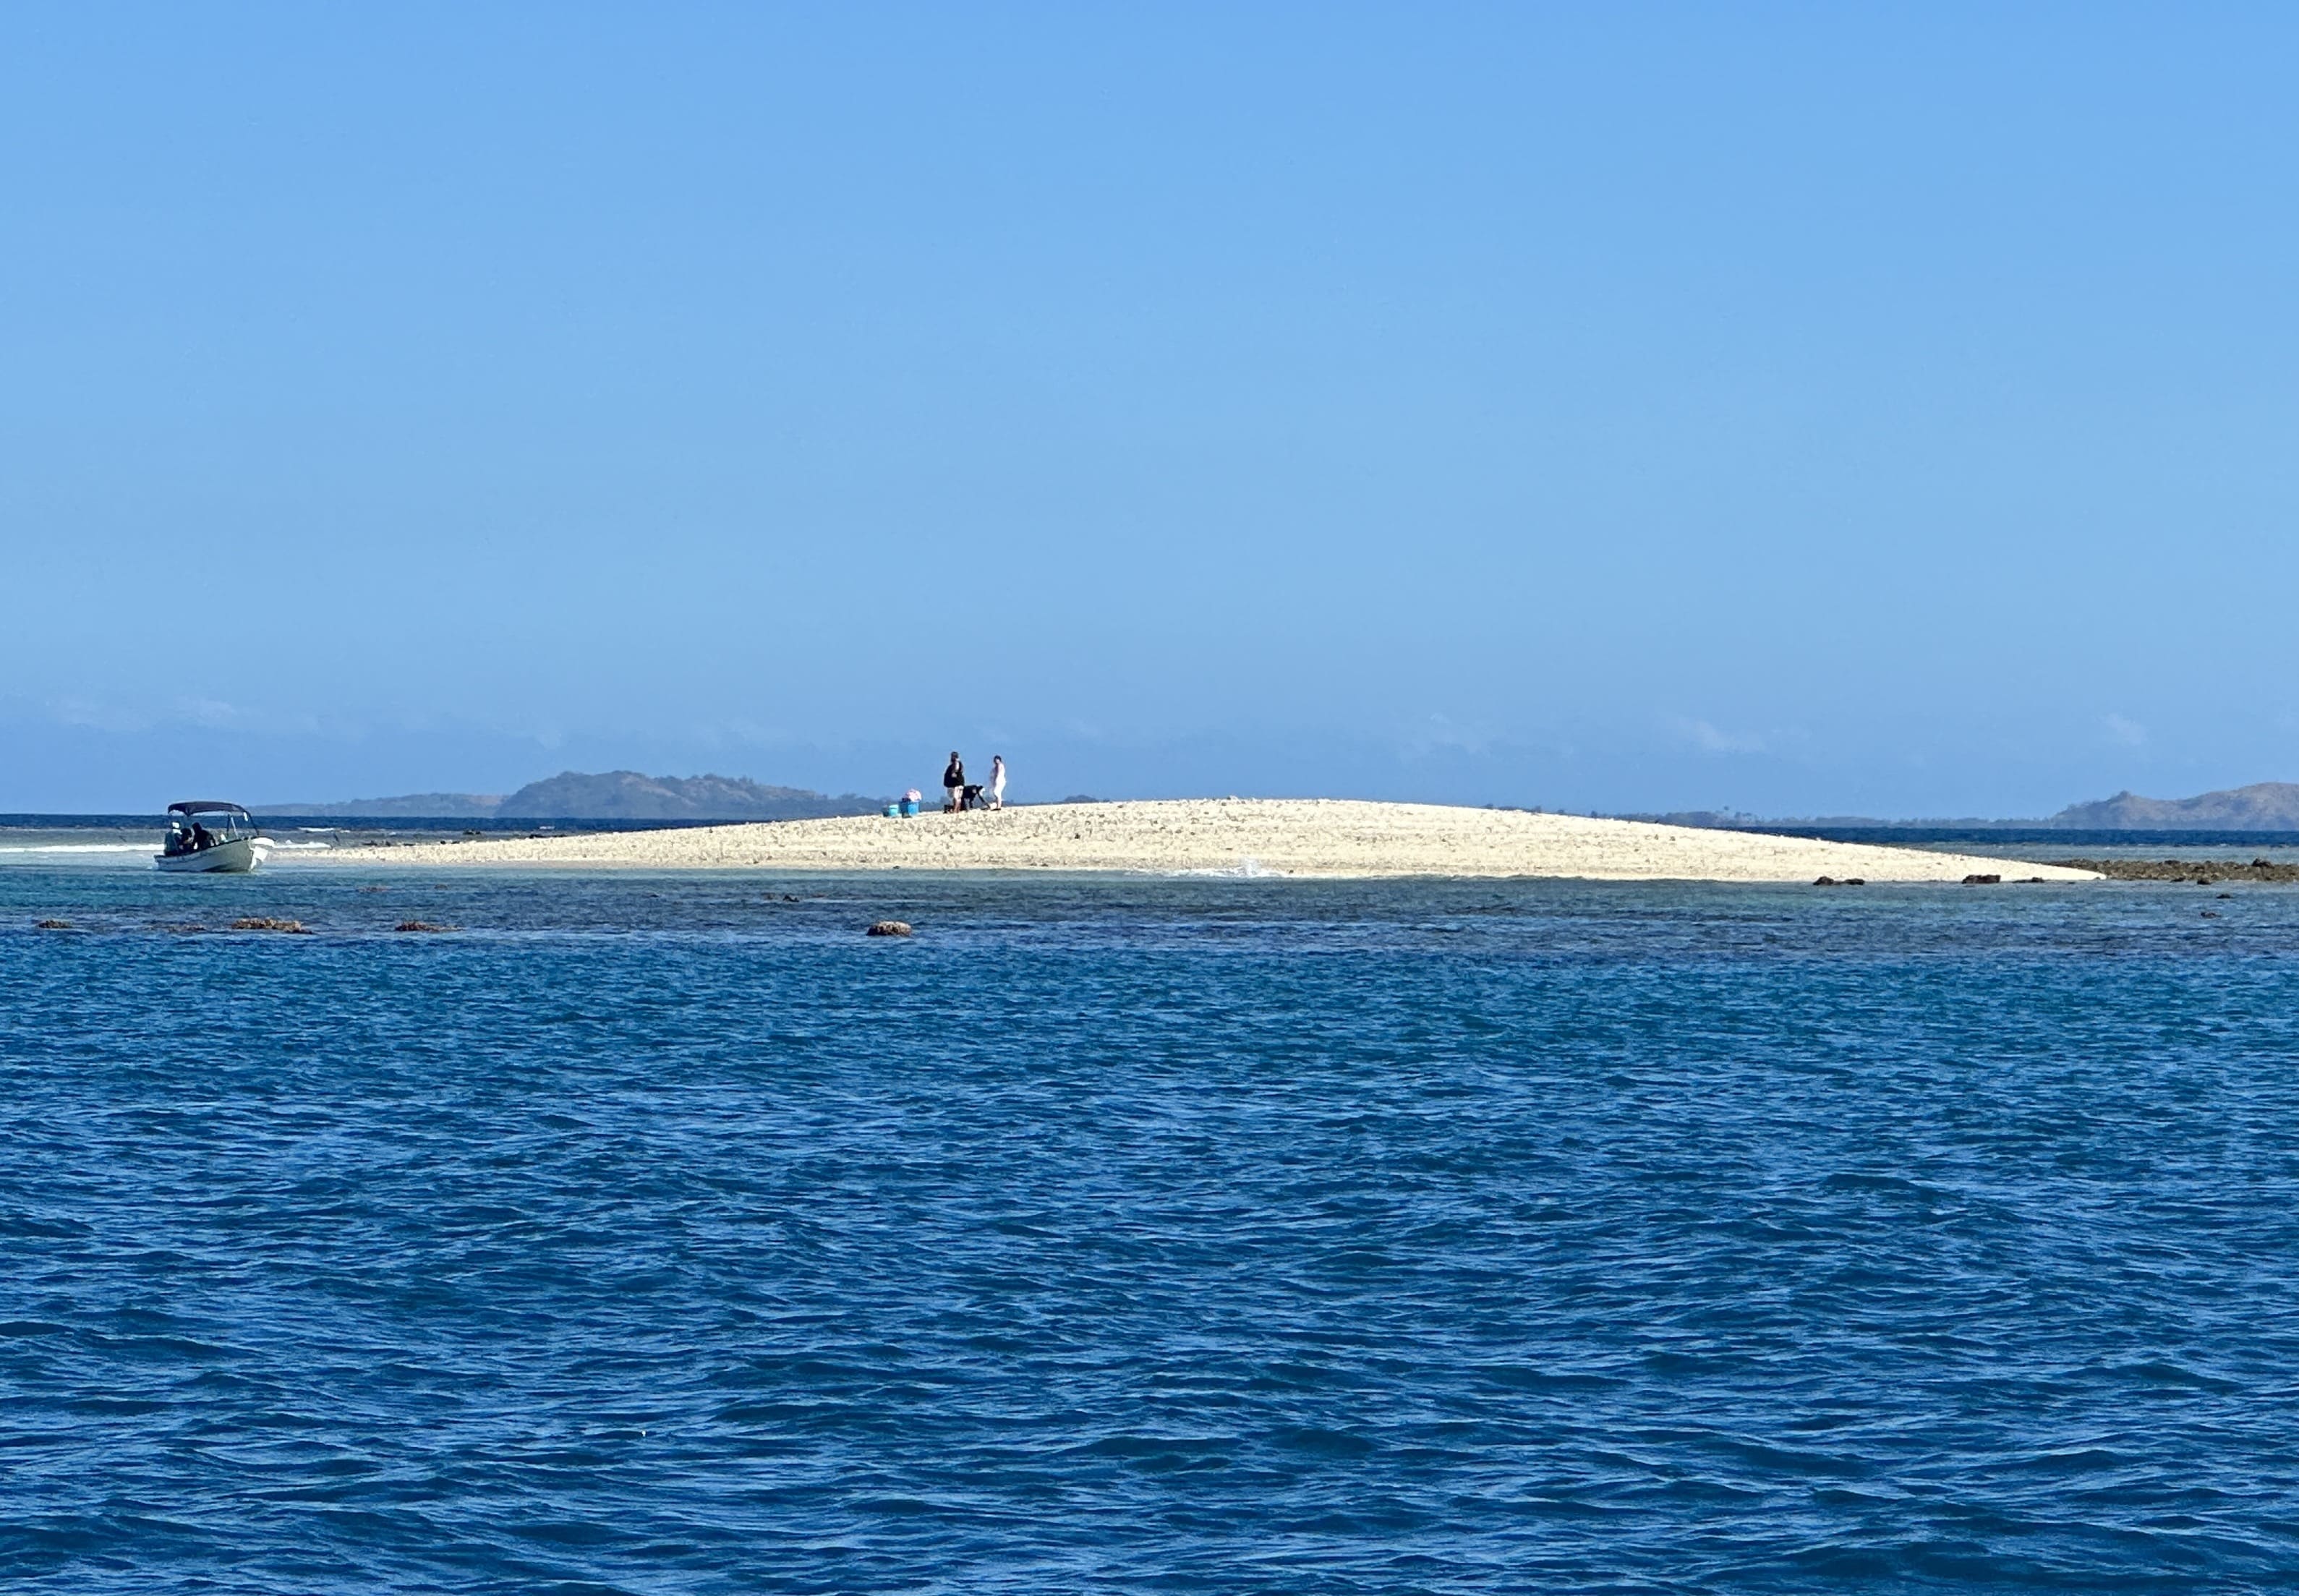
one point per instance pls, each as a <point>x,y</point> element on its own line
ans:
<point>663,1234</point>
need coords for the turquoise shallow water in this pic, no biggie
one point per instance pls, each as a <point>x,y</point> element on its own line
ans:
<point>662,1234</point>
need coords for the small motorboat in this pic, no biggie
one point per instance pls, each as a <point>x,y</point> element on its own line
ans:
<point>232,843</point>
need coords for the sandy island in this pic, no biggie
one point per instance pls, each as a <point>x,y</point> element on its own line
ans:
<point>1315,837</point>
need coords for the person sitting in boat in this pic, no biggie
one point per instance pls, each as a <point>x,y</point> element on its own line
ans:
<point>178,840</point>
<point>201,837</point>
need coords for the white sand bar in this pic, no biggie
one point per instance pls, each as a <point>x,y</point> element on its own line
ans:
<point>1321,836</point>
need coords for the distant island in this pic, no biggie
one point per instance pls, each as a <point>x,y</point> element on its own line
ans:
<point>2262,806</point>
<point>613,795</point>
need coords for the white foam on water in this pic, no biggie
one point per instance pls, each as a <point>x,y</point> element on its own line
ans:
<point>1242,868</point>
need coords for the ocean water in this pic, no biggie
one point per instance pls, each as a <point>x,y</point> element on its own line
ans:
<point>130,841</point>
<point>664,1233</point>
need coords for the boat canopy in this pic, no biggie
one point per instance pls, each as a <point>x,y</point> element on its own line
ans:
<point>201,806</point>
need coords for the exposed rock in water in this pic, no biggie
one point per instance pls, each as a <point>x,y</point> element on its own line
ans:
<point>2203,872</point>
<point>53,925</point>
<point>889,929</point>
<point>262,923</point>
<point>423,925</point>
<point>1977,879</point>
<point>1847,881</point>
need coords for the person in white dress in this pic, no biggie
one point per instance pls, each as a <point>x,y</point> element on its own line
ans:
<point>998,781</point>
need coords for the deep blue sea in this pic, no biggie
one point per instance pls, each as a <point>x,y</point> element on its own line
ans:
<point>662,1234</point>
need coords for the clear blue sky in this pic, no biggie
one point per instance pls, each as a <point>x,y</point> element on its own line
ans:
<point>1805,408</point>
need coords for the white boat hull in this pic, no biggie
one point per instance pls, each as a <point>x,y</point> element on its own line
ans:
<point>235,858</point>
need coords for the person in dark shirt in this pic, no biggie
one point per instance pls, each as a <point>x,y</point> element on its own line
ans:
<point>954,783</point>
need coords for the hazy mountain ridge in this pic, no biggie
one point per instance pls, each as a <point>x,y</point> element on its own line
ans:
<point>611,795</point>
<point>2262,806</point>
<point>627,795</point>
<point>421,806</point>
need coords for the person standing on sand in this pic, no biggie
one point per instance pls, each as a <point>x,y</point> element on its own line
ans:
<point>998,781</point>
<point>954,783</point>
